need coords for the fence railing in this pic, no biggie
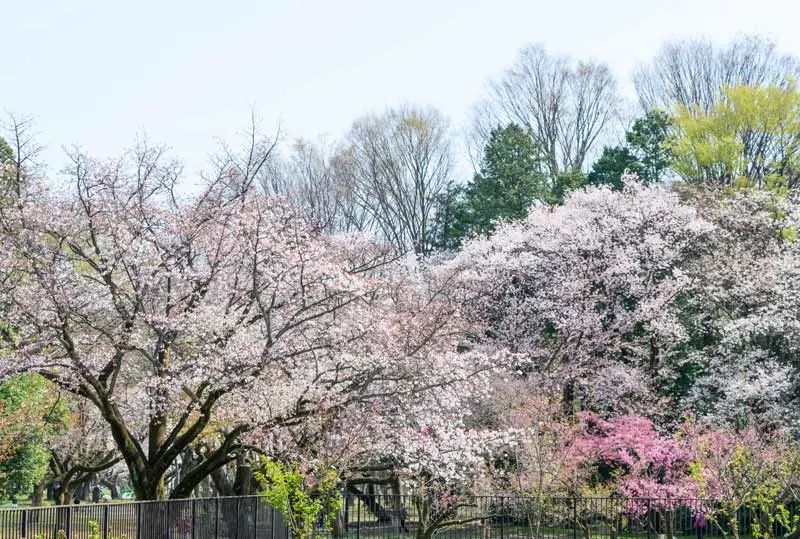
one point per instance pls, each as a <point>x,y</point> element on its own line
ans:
<point>246,517</point>
<point>366,516</point>
<point>512,517</point>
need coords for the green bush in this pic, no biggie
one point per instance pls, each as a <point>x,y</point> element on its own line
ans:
<point>299,500</point>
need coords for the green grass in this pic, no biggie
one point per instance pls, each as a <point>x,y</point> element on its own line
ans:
<point>494,531</point>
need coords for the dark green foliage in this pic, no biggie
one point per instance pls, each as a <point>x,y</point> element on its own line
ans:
<point>33,413</point>
<point>644,153</point>
<point>646,139</point>
<point>613,163</point>
<point>8,179</point>
<point>6,153</point>
<point>449,222</point>
<point>563,184</point>
<point>509,182</point>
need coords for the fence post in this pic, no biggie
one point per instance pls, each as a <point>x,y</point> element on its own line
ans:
<point>194,518</point>
<point>238,514</point>
<point>69,522</point>
<point>358,519</point>
<point>24,523</point>
<point>139,520</point>
<point>272,521</point>
<point>574,518</point>
<point>105,521</point>
<point>346,509</point>
<point>502,517</point>
<point>255,518</point>
<point>216,517</point>
<point>647,518</point>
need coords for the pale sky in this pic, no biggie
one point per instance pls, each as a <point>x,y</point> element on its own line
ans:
<point>97,72</point>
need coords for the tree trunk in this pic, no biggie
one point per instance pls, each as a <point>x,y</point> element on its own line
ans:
<point>571,400</point>
<point>368,499</point>
<point>424,531</point>
<point>150,489</point>
<point>154,486</point>
<point>62,494</point>
<point>616,529</point>
<point>37,497</point>
<point>397,516</point>
<point>340,522</point>
<point>668,524</point>
<point>112,486</point>
<point>82,491</point>
<point>243,486</point>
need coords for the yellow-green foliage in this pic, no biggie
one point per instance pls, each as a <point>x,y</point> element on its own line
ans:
<point>287,490</point>
<point>752,479</point>
<point>769,499</point>
<point>94,533</point>
<point>752,128</point>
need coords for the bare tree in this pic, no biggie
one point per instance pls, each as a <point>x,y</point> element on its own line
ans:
<point>310,176</point>
<point>399,164</point>
<point>237,170</point>
<point>566,106</point>
<point>18,154</point>
<point>693,72</point>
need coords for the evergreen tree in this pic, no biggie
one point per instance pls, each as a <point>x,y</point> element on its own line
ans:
<point>509,182</point>
<point>611,165</point>
<point>645,153</point>
<point>647,140</point>
<point>6,154</point>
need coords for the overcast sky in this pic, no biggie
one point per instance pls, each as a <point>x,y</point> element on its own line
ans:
<point>96,72</point>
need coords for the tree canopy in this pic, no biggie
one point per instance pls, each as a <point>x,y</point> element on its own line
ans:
<point>750,136</point>
<point>359,314</point>
<point>510,181</point>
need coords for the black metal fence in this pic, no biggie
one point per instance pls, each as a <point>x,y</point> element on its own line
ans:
<point>397,517</point>
<point>513,517</point>
<point>245,517</point>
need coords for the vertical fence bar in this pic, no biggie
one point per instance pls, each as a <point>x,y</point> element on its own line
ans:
<point>69,522</point>
<point>238,514</point>
<point>346,510</point>
<point>358,521</point>
<point>272,526</point>
<point>255,518</point>
<point>138,521</point>
<point>574,518</point>
<point>502,517</point>
<point>194,519</point>
<point>216,517</point>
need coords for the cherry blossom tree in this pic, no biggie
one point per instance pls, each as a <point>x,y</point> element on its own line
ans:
<point>80,451</point>
<point>742,314</point>
<point>644,462</point>
<point>542,465</point>
<point>219,315</point>
<point>585,293</point>
<point>432,447</point>
<point>445,465</point>
<point>538,459</point>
